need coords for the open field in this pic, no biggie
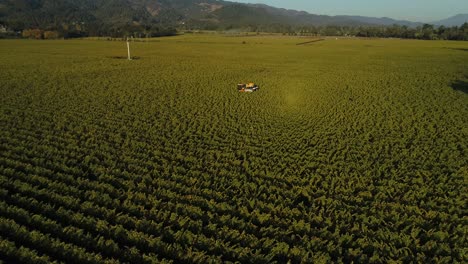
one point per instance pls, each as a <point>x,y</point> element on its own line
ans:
<point>353,150</point>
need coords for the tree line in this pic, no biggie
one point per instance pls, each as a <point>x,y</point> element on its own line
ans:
<point>77,30</point>
<point>426,31</point>
<point>83,30</point>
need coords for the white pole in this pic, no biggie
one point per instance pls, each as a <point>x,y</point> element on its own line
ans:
<point>128,49</point>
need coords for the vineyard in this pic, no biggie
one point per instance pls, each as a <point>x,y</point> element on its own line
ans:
<point>352,151</point>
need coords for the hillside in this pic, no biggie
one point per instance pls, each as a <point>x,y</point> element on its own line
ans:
<point>150,18</point>
<point>19,14</point>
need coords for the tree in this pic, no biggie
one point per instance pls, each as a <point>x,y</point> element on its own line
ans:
<point>33,33</point>
<point>51,35</point>
<point>464,31</point>
<point>428,32</point>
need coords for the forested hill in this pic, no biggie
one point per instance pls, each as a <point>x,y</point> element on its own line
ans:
<point>74,18</point>
<point>117,15</point>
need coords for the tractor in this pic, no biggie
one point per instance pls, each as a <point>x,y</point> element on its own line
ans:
<point>247,88</point>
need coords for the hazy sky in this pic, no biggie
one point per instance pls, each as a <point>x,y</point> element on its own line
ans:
<point>414,10</point>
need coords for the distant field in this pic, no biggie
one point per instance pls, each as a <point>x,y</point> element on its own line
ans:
<point>353,150</point>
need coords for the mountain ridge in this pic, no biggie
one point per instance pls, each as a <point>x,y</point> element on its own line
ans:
<point>456,20</point>
<point>340,19</point>
<point>154,15</point>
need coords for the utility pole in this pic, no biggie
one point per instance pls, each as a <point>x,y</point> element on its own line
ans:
<point>128,49</point>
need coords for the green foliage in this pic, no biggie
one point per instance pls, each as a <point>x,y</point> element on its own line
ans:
<point>352,151</point>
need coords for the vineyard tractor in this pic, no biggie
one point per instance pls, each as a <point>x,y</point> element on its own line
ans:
<point>247,88</point>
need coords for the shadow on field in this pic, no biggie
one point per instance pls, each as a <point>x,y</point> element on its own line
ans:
<point>462,49</point>
<point>460,86</point>
<point>123,58</point>
<point>308,42</point>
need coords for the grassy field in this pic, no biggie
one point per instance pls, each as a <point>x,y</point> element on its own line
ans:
<point>353,150</point>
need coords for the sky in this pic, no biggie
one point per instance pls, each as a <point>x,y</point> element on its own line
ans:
<point>413,10</point>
